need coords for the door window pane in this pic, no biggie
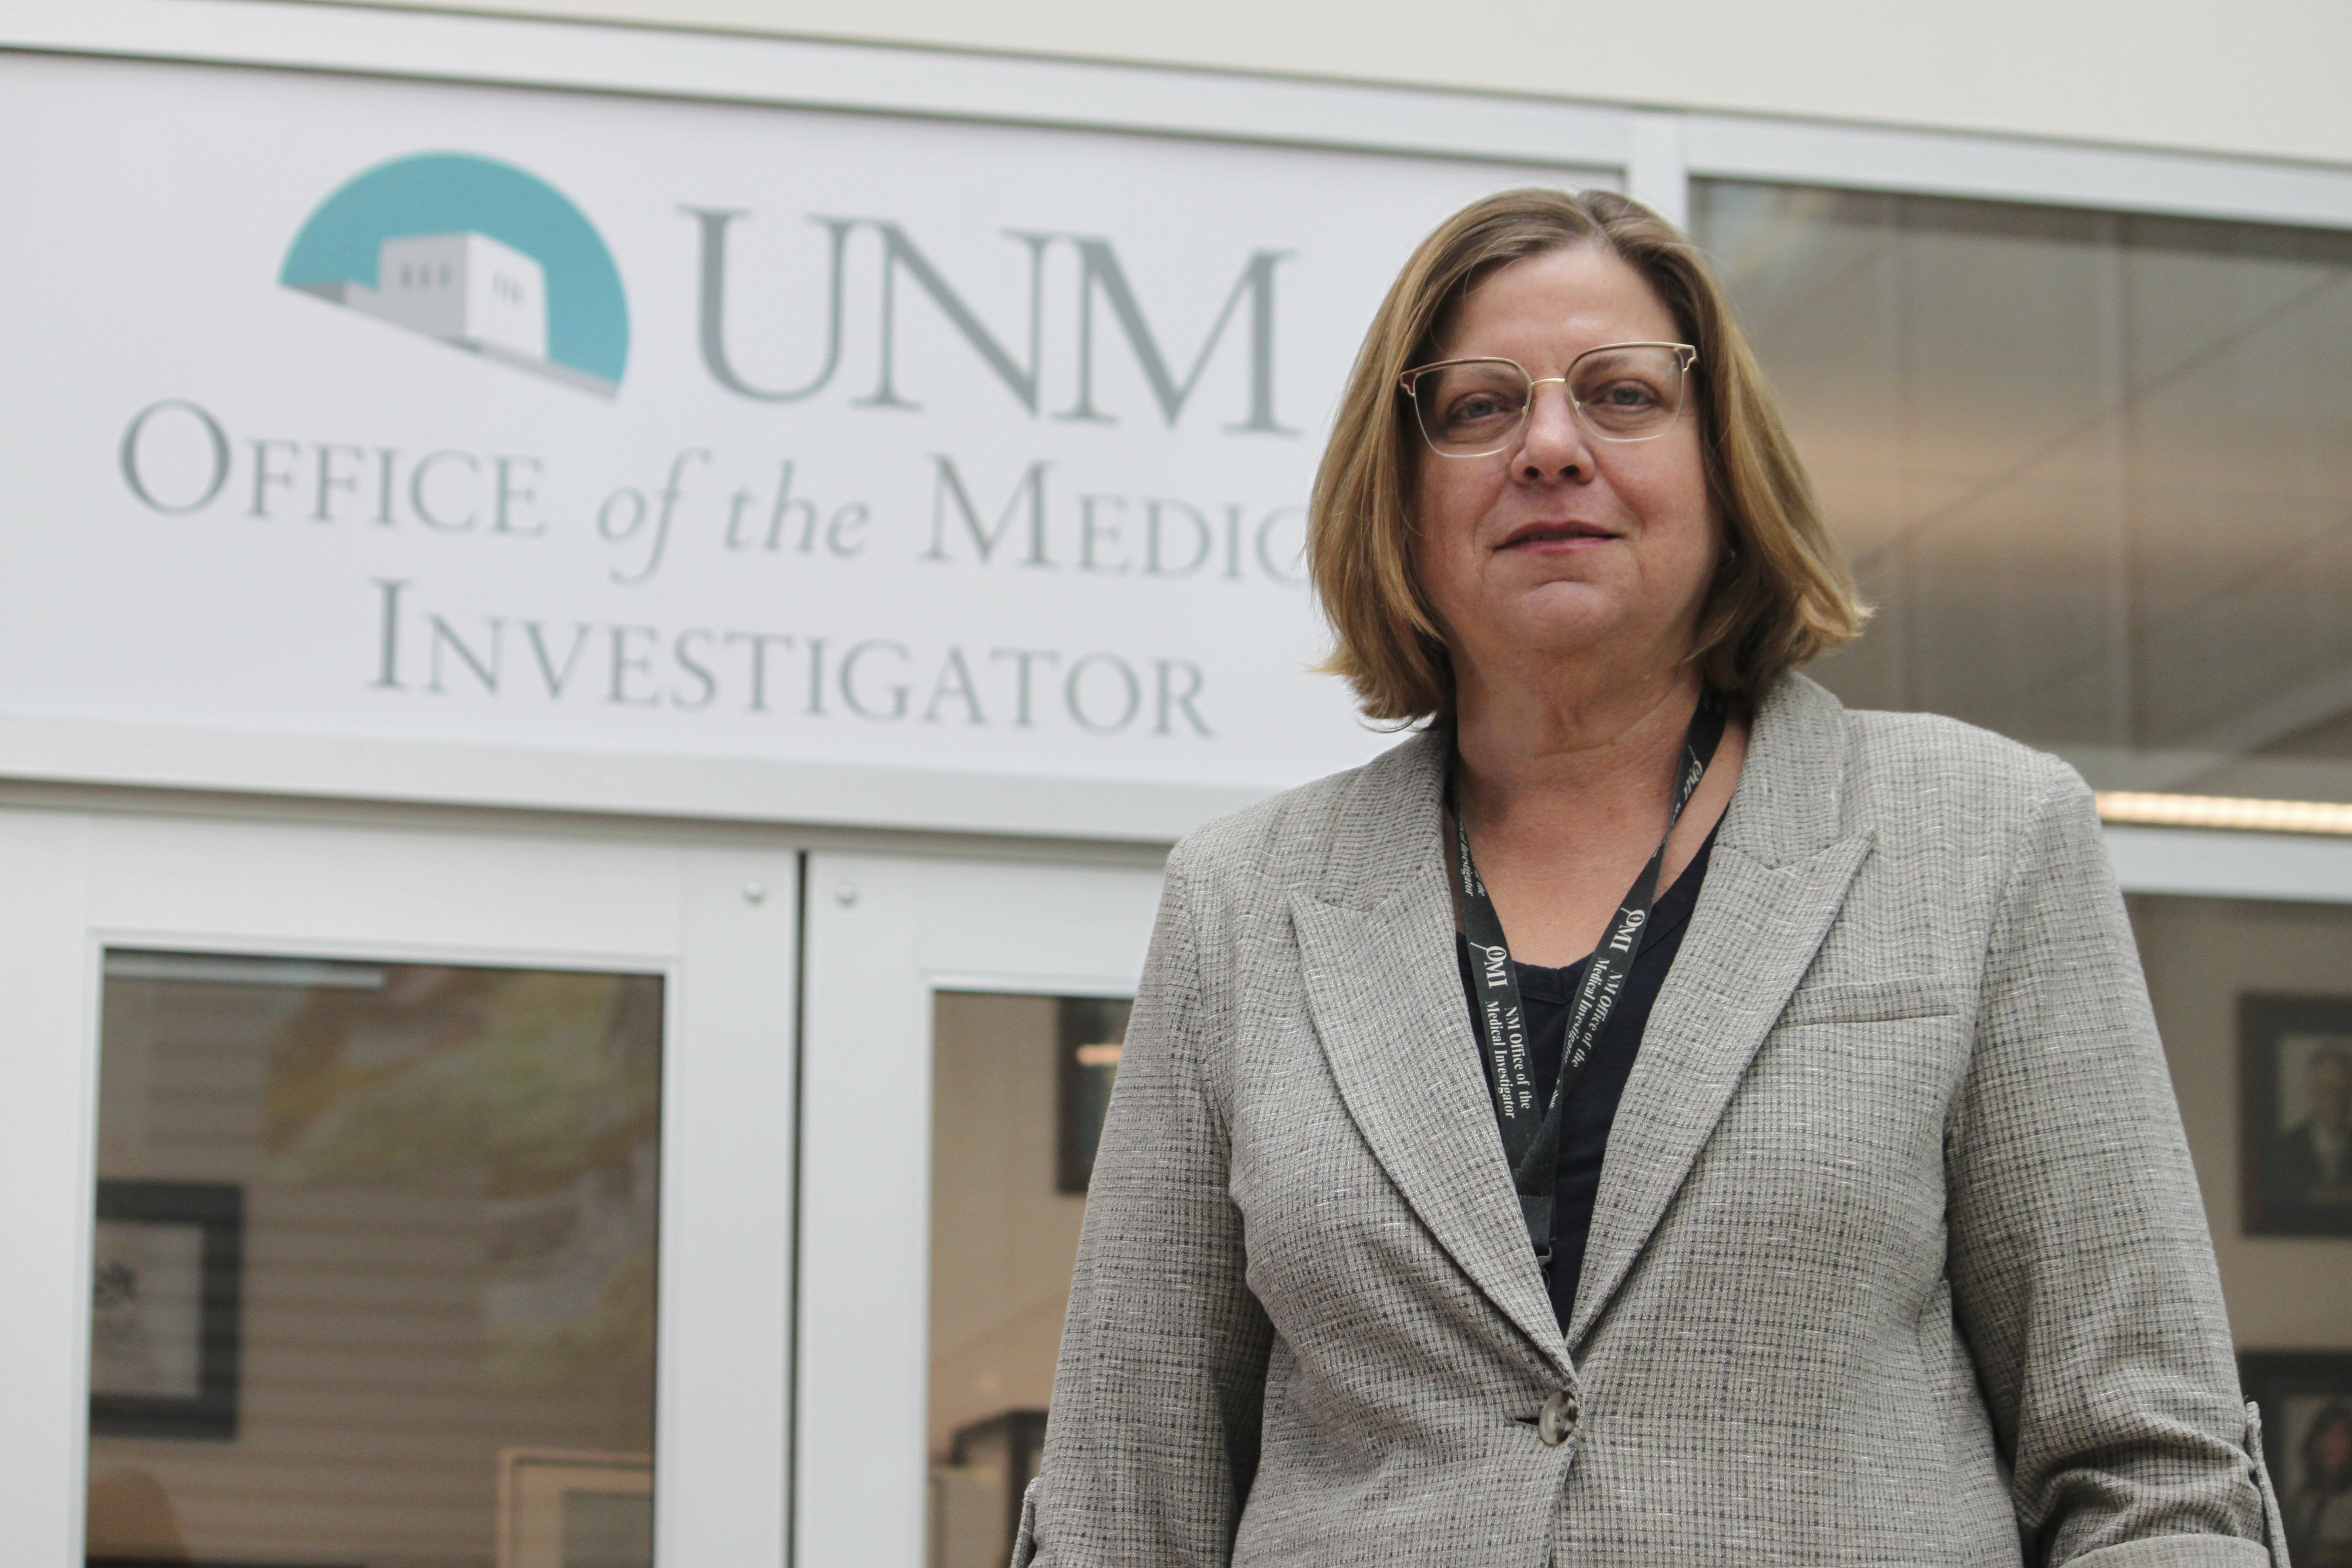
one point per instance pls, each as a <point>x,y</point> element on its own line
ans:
<point>1019,1085</point>
<point>374,1264</point>
<point>2254,999</point>
<point>2094,468</point>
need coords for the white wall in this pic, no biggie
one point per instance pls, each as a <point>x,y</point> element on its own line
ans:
<point>2259,77</point>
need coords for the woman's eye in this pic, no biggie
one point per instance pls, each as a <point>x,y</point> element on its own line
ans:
<point>1626,394</point>
<point>1484,405</point>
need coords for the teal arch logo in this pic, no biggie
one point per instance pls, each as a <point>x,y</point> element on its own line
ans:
<point>478,253</point>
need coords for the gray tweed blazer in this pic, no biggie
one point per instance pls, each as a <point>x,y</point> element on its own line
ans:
<point>1898,1257</point>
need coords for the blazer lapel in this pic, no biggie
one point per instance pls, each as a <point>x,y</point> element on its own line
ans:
<point>1781,867</point>
<point>1375,939</point>
<point>1387,1003</point>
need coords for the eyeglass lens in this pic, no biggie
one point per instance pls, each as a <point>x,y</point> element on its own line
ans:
<point>1472,407</point>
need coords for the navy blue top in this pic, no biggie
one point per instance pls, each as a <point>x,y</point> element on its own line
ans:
<point>1548,996</point>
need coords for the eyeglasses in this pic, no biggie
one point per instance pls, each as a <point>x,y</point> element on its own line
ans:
<point>1619,392</point>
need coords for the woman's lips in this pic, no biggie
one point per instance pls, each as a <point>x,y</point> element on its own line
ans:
<point>1556,535</point>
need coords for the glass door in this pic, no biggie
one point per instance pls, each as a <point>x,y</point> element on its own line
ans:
<point>427,1206</point>
<point>964,1026</point>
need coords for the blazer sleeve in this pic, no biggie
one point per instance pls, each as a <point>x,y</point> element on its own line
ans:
<point>1152,1437</point>
<point>2081,1270</point>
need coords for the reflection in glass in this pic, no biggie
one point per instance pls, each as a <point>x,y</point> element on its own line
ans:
<point>1019,1085</point>
<point>416,1207</point>
<point>1092,1029</point>
<point>2094,468</point>
<point>2252,998</point>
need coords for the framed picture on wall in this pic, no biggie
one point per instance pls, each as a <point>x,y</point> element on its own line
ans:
<point>2307,1400</point>
<point>166,1293</point>
<point>1090,1031</point>
<point>2295,1061</point>
<point>562,1509</point>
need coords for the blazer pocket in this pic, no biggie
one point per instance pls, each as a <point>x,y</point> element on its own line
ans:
<point>1871,1002</point>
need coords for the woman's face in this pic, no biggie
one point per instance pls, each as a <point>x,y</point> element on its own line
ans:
<point>1565,543</point>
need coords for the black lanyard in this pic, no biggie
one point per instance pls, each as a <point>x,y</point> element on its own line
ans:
<point>1532,1137</point>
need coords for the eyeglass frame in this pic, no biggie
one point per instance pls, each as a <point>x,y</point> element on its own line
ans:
<point>1687,353</point>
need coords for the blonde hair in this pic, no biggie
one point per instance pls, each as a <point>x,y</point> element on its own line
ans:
<point>1781,594</point>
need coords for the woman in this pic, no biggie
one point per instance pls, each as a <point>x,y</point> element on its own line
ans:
<point>1895,1257</point>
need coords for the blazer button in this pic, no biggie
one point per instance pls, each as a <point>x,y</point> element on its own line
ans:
<point>1560,1414</point>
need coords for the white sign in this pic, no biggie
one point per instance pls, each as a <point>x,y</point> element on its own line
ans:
<point>392,410</point>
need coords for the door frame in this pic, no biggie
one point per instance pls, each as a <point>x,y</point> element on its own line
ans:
<point>717,922</point>
<point>885,933</point>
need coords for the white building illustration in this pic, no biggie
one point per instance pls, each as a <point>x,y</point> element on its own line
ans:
<point>466,289</point>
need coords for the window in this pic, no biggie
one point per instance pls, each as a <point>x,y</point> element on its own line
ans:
<point>2094,468</point>
<point>1020,1086</point>
<point>374,1264</point>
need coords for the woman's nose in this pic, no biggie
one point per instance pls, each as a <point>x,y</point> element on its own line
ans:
<point>1553,443</point>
